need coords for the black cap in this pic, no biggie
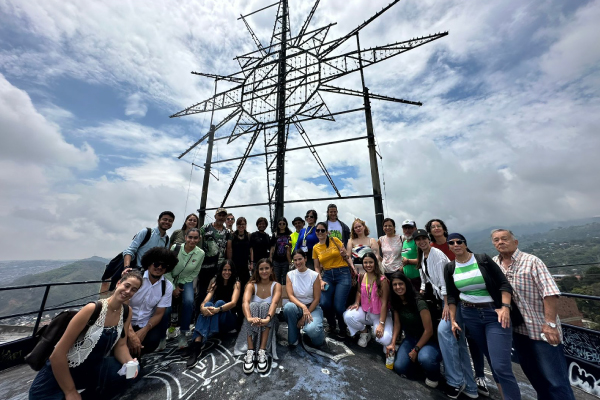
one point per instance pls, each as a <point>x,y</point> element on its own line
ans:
<point>297,219</point>
<point>419,233</point>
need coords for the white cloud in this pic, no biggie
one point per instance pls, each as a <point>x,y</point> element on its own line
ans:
<point>135,106</point>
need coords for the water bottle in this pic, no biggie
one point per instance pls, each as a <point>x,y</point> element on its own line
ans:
<point>389,360</point>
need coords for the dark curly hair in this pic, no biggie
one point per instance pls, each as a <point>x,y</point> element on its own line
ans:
<point>160,255</point>
<point>411,296</point>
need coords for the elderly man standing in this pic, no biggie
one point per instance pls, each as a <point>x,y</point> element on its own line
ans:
<point>538,341</point>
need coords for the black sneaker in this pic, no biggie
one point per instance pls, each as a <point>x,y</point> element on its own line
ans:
<point>194,355</point>
<point>262,364</point>
<point>454,392</point>
<point>249,362</point>
<point>482,388</point>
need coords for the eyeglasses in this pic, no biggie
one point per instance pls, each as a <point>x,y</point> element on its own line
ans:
<point>456,242</point>
<point>320,230</point>
<point>230,219</point>
<point>309,216</point>
<point>282,224</point>
<point>159,266</point>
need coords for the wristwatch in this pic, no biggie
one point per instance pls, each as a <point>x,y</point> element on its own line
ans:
<point>551,324</point>
<point>507,306</point>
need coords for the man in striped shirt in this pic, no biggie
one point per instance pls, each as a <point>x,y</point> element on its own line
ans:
<point>538,341</point>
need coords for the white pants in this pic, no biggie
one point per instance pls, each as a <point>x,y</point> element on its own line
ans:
<point>357,321</point>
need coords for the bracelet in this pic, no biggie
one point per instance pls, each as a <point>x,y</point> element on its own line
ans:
<point>507,305</point>
<point>417,349</point>
<point>268,315</point>
<point>221,309</point>
<point>150,323</point>
<point>382,323</point>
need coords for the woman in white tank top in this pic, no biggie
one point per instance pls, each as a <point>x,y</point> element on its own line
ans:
<point>261,296</point>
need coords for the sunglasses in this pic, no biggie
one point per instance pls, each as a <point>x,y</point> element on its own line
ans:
<point>320,230</point>
<point>309,216</point>
<point>159,266</point>
<point>282,224</point>
<point>230,219</point>
<point>456,242</point>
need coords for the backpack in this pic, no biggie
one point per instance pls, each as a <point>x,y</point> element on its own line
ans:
<point>49,335</point>
<point>115,267</point>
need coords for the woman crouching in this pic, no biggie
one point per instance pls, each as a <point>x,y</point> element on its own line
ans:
<point>418,347</point>
<point>85,364</point>
<point>261,296</point>
<point>216,311</point>
<point>371,305</point>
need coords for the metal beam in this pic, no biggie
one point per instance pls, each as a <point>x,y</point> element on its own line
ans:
<point>293,201</point>
<point>204,196</point>
<point>352,92</point>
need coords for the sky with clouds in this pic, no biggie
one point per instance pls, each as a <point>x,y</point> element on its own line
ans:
<point>508,132</point>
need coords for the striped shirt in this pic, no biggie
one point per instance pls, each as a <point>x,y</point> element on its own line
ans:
<point>436,261</point>
<point>531,282</point>
<point>470,283</point>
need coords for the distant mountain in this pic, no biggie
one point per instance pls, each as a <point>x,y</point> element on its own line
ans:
<point>24,300</point>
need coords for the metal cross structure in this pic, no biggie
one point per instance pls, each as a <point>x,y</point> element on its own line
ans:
<point>279,87</point>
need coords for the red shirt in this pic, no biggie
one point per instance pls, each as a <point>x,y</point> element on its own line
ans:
<point>445,248</point>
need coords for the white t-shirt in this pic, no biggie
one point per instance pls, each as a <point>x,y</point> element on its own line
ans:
<point>147,299</point>
<point>335,229</point>
<point>302,284</point>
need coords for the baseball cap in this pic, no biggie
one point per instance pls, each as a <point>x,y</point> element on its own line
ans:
<point>419,233</point>
<point>409,223</point>
<point>221,210</point>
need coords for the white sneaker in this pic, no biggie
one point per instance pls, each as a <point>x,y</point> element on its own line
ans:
<point>182,341</point>
<point>249,361</point>
<point>430,383</point>
<point>262,364</point>
<point>162,345</point>
<point>172,332</point>
<point>364,339</point>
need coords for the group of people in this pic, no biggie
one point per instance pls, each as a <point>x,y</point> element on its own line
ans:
<point>423,296</point>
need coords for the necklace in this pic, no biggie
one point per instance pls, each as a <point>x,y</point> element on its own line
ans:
<point>369,287</point>
<point>468,258</point>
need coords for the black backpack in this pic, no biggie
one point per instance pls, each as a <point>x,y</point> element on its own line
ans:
<point>115,267</point>
<point>49,335</point>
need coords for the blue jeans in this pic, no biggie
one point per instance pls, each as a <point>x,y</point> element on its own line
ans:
<point>314,330</point>
<point>457,362</point>
<point>187,308</point>
<point>155,335</point>
<point>98,378</point>
<point>207,326</point>
<point>333,300</point>
<point>545,366</point>
<point>496,343</point>
<point>429,358</point>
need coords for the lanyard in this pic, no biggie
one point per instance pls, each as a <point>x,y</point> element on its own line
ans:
<point>369,291</point>
<point>305,234</point>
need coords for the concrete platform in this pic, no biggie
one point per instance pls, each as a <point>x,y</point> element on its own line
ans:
<point>346,371</point>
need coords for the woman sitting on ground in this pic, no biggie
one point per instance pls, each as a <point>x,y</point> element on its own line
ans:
<point>190,259</point>
<point>371,306</point>
<point>178,236</point>
<point>261,296</point>
<point>418,347</point>
<point>85,364</point>
<point>303,311</point>
<point>457,363</point>
<point>216,311</point>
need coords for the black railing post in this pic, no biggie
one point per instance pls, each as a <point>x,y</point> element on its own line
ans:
<point>37,322</point>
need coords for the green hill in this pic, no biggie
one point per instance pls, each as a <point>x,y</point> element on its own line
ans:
<point>25,300</point>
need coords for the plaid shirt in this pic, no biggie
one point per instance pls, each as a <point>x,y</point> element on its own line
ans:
<point>531,282</point>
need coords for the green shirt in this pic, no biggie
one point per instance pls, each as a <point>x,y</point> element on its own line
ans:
<point>409,251</point>
<point>178,236</point>
<point>411,322</point>
<point>470,283</point>
<point>188,266</point>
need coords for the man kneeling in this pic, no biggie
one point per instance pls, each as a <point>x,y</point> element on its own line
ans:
<point>150,302</point>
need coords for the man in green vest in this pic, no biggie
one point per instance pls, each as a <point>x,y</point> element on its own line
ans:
<point>409,254</point>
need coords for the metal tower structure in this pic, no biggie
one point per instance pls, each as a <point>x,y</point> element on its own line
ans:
<point>279,86</point>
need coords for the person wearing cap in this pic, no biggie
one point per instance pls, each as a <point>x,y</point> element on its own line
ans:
<point>431,263</point>
<point>476,284</point>
<point>148,305</point>
<point>213,241</point>
<point>538,341</point>
<point>409,253</point>
<point>336,227</point>
<point>298,223</point>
